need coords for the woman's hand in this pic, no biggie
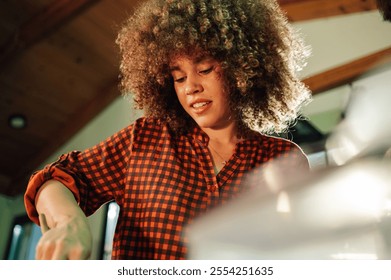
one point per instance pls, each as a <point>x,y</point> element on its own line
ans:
<point>69,239</point>
<point>65,230</point>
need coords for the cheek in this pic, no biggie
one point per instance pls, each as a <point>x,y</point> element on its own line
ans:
<point>220,81</point>
<point>180,96</point>
<point>220,88</point>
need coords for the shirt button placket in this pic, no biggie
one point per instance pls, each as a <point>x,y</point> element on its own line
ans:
<point>213,195</point>
<point>214,188</point>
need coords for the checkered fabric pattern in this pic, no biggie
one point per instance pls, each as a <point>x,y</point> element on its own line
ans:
<point>161,183</point>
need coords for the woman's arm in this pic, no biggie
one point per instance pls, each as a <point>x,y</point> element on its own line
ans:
<point>65,229</point>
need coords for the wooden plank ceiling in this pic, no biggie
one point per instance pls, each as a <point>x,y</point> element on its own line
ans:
<point>59,68</point>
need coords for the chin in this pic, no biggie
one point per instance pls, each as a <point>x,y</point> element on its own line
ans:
<point>209,124</point>
<point>204,123</point>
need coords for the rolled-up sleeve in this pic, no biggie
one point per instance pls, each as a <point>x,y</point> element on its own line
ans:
<point>40,177</point>
<point>94,176</point>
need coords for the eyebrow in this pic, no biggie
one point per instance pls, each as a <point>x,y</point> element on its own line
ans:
<point>197,60</point>
<point>201,58</point>
<point>174,68</point>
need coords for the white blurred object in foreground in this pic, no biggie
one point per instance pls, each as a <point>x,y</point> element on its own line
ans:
<point>340,213</point>
<point>366,130</point>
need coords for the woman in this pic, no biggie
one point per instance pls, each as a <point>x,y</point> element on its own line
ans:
<point>213,78</point>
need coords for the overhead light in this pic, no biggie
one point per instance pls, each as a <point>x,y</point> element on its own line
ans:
<point>17,121</point>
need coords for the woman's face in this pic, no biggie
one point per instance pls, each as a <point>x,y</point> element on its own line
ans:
<point>201,90</point>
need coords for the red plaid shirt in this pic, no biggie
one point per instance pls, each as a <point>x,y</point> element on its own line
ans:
<point>161,183</point>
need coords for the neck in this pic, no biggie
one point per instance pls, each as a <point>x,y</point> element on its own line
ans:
<point>222,143</point>
<point>225,135</point>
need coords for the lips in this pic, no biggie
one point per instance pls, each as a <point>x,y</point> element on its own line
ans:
<point>200,106</point>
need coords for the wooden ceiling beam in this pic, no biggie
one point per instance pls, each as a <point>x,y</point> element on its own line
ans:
<point>79,120</point>
<point>300,10</point>
<point>347,73</point>
<point>41,25</point>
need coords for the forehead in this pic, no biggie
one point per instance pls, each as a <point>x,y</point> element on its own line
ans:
<point>194,59</point>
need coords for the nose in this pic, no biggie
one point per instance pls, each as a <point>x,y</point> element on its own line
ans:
<point>193,86</point>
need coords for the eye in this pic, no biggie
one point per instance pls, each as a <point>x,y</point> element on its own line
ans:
<point>207,71</point>
<point>179,80</point>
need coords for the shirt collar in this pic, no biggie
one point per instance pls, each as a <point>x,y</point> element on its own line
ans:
<point>199,135</point>
<point>245,145</point>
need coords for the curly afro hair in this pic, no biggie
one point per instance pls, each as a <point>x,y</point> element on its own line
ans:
<point>259,51</point>
<point>384,7</point>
